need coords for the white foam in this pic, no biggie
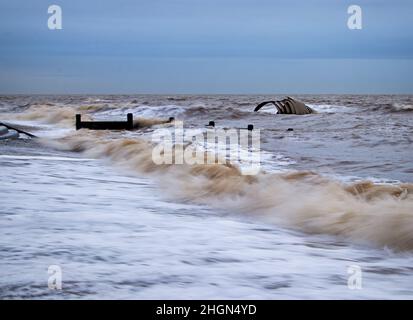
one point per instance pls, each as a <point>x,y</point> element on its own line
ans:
<point>117,236</point>
<point>43,130</point>
<point>402,107</point>
<point>146,111</point>
<point>51,158</point>
<point>321,108</point>
<point>330,108</point>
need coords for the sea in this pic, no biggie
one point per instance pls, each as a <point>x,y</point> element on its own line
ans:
<point>88,214</point>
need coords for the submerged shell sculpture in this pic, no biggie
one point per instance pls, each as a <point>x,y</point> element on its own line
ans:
<point>288,106</point>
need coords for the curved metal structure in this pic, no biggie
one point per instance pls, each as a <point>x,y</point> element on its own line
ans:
<point>288,106</point>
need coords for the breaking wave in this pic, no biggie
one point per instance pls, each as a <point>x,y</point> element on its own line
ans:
<point>394,107</point>
<point>218,112</point>
<point>148,122</point>
<point>329,108</point>
<point>64,116</point>
<point>45,114</point>
<point>157,111</point>
<point>363,212</point>
<point>398,107</point>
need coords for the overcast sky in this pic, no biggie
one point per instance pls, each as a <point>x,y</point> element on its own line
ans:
<point>206,46</point>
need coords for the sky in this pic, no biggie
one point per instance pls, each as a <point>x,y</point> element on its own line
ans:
<point>206,47</point>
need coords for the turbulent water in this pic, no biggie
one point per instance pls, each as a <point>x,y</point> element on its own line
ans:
<point>334,191</point>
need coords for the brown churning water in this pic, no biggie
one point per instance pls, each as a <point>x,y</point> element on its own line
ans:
<point>348,170</point>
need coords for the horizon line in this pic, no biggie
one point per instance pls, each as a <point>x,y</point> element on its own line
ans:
<point>198,94</point>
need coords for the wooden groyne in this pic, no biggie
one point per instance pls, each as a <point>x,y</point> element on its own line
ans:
<point>105,125</point>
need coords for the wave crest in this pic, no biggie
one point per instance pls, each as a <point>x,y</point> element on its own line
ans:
<point>362,212</point>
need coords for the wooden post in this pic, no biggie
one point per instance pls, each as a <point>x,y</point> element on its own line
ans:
<point>130,121</point>
<point>105,125</point>
<point>78,121</point>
